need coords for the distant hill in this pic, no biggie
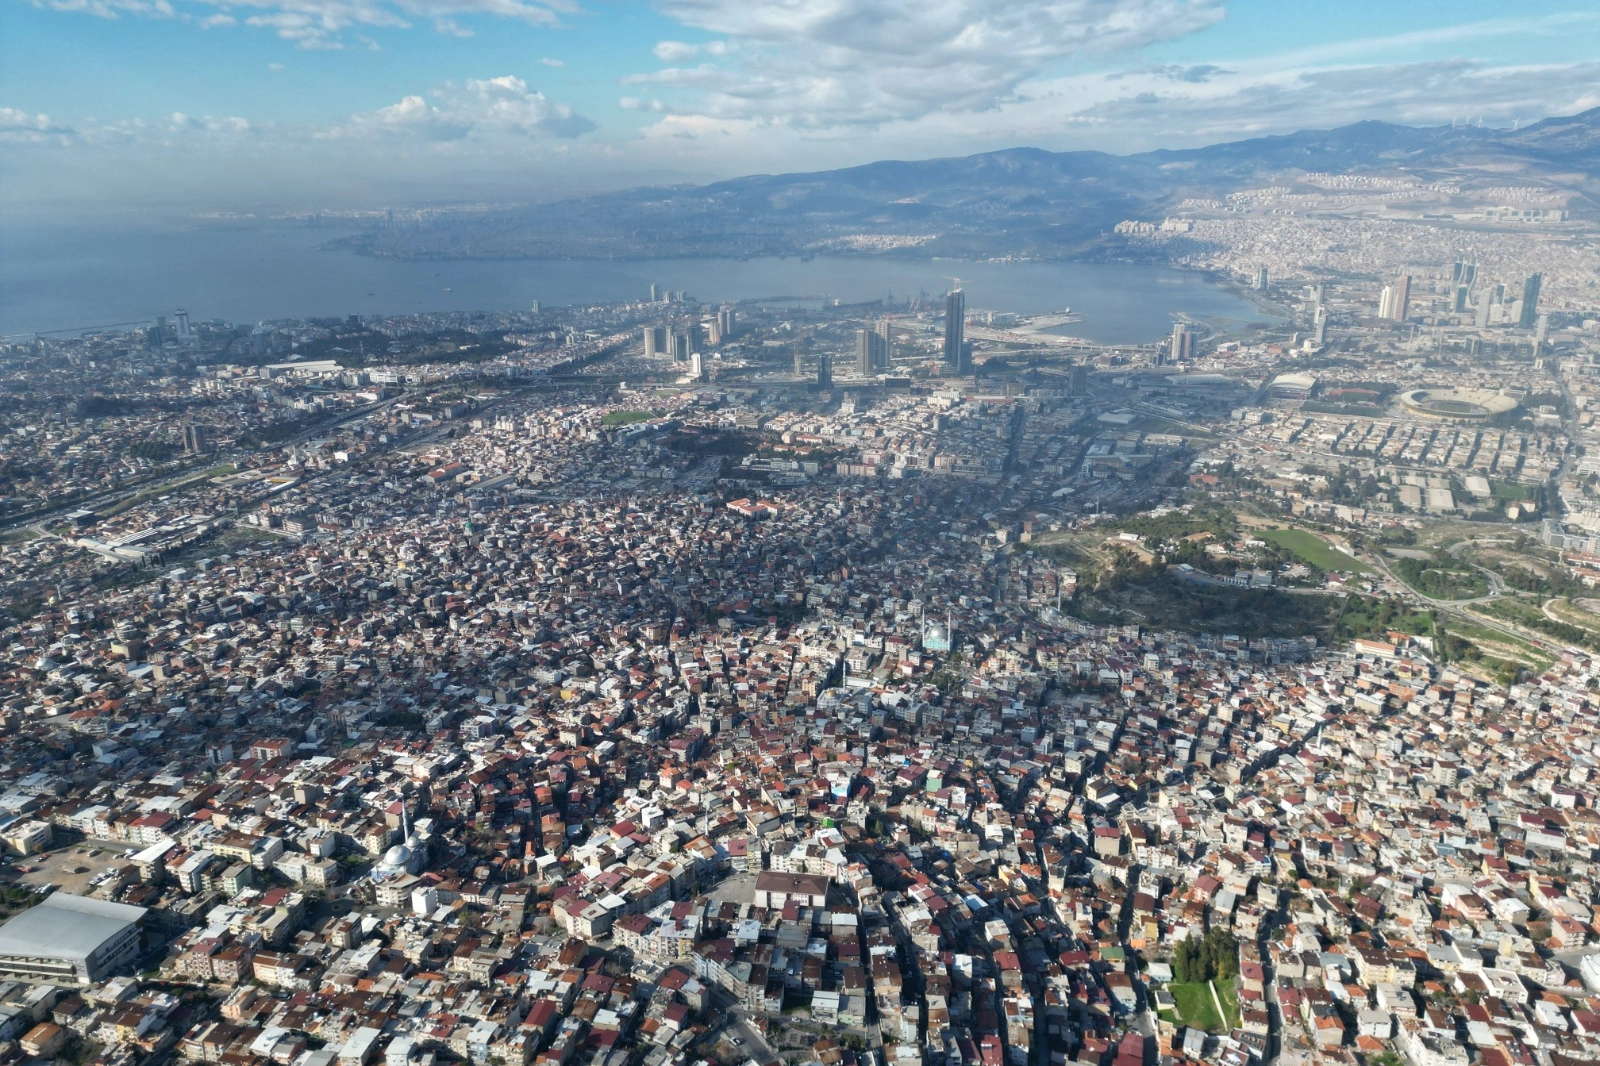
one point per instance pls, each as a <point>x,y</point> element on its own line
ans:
<point>1574,139</point>
<point>1019,201</point>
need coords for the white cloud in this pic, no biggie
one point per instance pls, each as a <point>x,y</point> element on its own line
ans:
<point>412,116</point>
<point>634,103</point>
<point>485,108</point>
<point>209,123</point>
<point>110,9</point>
<point>745,101</point>
<point>812,64</point>
<point>323,23</point>
<point>16,125</point>
<point>1133,111</point>
<point>547,61</point>
<point>1167,108</point>
<point>1370,49</point>
<point>679,51</point>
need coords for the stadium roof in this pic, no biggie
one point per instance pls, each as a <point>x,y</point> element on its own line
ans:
<point>65,926</point>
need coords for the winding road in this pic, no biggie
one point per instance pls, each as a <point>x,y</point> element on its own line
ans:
<point>1457,608</point>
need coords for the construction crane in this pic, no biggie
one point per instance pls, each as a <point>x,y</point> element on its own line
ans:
<point>956,280</point>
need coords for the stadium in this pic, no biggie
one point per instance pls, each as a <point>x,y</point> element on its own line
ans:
<point>1457,405</point>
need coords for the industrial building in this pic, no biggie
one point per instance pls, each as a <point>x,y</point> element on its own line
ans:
<point>70,939</point>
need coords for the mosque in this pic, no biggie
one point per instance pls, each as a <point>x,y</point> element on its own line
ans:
<point>403,858</point>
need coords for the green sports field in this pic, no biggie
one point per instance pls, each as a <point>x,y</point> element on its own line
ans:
<point>1314,550</point>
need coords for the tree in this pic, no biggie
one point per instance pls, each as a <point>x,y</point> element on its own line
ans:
<point>1222,955</point>
<point>1186,966</point>
<point>1214,957</point>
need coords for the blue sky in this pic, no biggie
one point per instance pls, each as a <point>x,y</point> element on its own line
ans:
<point>300,104</point>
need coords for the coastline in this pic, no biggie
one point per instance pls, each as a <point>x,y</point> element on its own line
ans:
<point>77,281</point>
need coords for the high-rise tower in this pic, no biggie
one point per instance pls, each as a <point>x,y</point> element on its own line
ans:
<point>955,332</point>
<point>655,341</point>
<point>1528,316</point>
<point>870,352</point>
<point>1182,343</point>
<point>1392,304</point>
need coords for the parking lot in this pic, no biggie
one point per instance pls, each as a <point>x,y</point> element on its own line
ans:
<point>70,869</point>
<point>739,888</point>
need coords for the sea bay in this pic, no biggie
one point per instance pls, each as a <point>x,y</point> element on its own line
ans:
<point>62,277</point>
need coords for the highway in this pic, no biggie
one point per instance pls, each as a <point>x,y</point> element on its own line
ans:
<point>36,520</point>
<point>1457,608</point>
<point>594,351</point>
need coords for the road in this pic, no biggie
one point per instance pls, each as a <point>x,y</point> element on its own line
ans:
<point>1497,587</point>
<point>596,351</point>
<point>752,1044</point>
<point>1457,608</point>
<point>35,521</point>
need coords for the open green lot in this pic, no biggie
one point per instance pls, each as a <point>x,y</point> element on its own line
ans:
<point>1314,550</point>
<point>1442,580</point>
<point>1573,615</point>
<point>1228,993</point>
<point>625,418</point>
<point>1529,614</point>
<point>1195,1007</point>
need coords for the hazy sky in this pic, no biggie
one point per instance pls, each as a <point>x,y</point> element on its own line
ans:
<point>301,104</point>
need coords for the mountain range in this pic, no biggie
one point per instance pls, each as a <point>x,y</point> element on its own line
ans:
<point>1018,201</point>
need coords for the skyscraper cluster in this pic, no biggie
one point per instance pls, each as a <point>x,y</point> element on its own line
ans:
<point>682,341</point>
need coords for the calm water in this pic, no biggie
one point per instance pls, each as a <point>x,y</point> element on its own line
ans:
<point>60,278</point>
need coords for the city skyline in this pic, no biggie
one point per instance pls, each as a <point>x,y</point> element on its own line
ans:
<point>301,104</point>
<point>693,626</point>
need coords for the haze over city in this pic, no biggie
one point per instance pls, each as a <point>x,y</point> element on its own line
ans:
<point>708,533</point>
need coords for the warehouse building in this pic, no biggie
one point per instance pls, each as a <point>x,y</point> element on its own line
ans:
<point>70,939</point>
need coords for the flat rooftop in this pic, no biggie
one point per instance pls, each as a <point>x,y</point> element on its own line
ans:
<point>65,926</point>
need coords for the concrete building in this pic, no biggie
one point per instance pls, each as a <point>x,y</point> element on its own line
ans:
<point>774,889</point>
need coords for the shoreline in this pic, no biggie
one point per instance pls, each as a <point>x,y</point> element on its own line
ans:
<point>394,287</point>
